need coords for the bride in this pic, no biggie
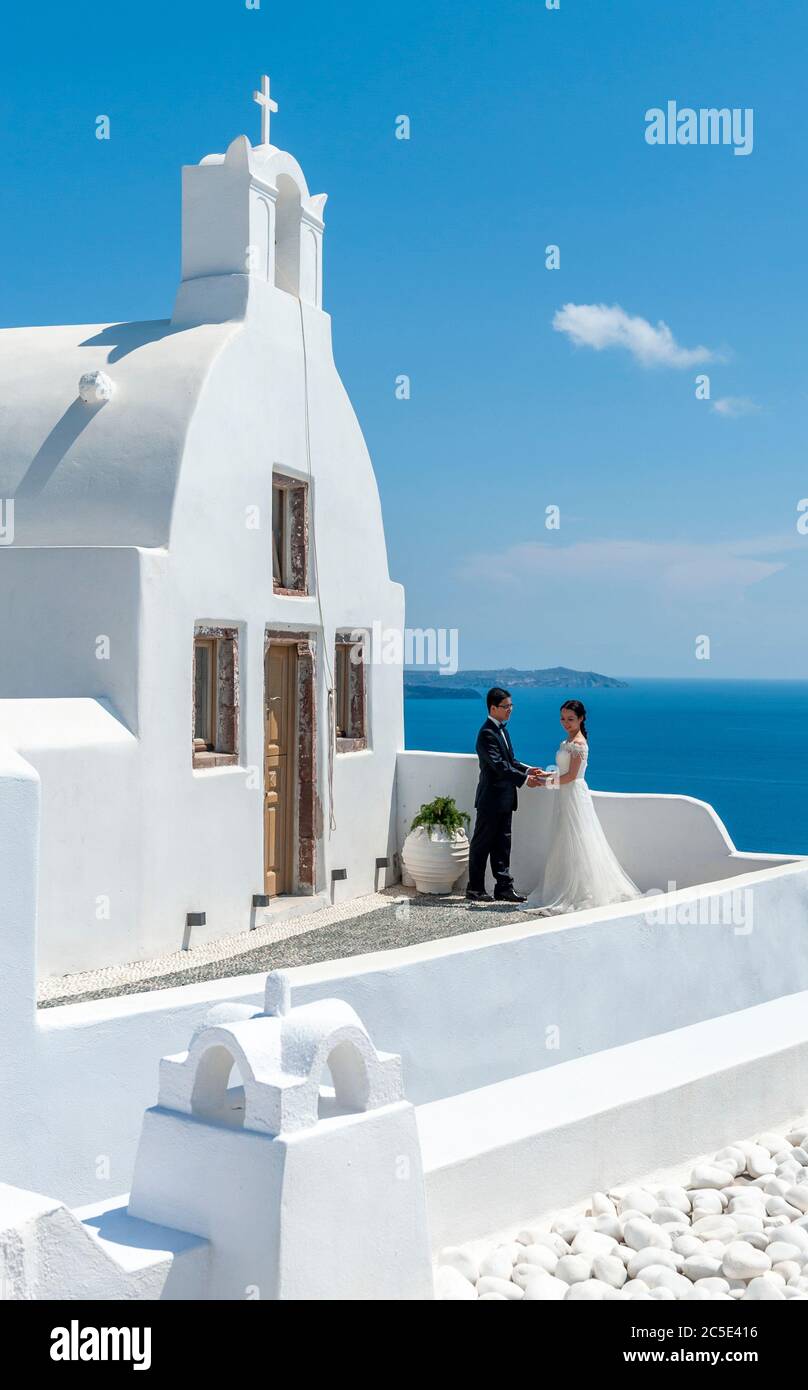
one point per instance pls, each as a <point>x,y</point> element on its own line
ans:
<point>581,870</point>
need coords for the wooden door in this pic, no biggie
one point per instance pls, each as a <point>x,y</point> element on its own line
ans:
<point>280,722</point>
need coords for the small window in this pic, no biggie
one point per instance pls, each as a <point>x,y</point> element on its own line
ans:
<point>215,687</point>
<point>289,536</point>
<point>350,692</point>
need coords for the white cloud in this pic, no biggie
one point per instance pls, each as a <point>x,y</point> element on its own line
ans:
<point>602,326</point>
<point>673,567</point>
<point>732,406</point>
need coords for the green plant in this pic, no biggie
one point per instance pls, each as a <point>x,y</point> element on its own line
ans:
<point>443,812</point>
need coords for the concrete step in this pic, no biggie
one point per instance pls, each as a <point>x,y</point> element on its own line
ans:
<point>154,1261</point>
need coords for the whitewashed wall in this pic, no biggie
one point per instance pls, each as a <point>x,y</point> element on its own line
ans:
<point>463,1012</point>
<point>658,839</point>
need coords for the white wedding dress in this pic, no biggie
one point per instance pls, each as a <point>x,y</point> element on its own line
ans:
<point>581,869</point>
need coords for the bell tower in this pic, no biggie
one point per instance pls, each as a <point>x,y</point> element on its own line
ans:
<point>248,221</point>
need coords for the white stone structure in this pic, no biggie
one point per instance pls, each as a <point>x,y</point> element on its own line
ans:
<point>280,1187</point>
<point>329,1196</point>
<point>187,492</point>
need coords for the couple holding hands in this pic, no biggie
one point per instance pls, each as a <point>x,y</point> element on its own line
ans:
<point>580,870</point>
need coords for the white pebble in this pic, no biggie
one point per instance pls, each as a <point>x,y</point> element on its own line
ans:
<point>567,1227</point>
<point>532,1235</point>
<point>715,1285</point>
<point>743,1261</point>
<point>608,1226</point>
<point>753,1196</point>
<point>796,1235</point>
<point>652,1256</point>
<point>687,1245</point>
<point>674,1197</point>
<point>711,1176</point>
<point>539,1255</point>
<point>545,1286</point>
<point>733,1152</point>
<point>588,1289</point>
<point>635,1288</point>
<point>760,1239</point>
<point>707,1200</point>
<point>659,1276</point>
<point>782,1206</point>
<point>573,1268</point>
<point>592,1243</point>
<point>637,1199</point>
<point>498,1263</point>
<point>716,1228</point>
<point>774,1187</point>
<point>639,1232</point>
<point>773,1142</point>
<point>669,1214</point>
<point>701,1267</point>
<point>609,1270</point>
<point>764,1289</point>
<point>759,1161</point>
<point>783,1250</point>
<point>715,1248</point>
<point>490,1284</point>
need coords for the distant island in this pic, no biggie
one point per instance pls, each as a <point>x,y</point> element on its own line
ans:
<point>466,685</point>
<point>446,691</point>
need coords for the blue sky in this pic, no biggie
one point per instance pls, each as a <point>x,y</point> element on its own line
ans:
<point>677,520</point>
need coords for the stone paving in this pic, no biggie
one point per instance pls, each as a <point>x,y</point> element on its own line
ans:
<point>380,922</point>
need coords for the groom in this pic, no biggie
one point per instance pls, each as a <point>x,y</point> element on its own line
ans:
<point>495,803</point>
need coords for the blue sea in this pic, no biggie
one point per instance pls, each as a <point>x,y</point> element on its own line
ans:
<point>740,745</point>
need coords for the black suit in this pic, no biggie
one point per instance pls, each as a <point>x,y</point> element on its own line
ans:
<point>495,803</point>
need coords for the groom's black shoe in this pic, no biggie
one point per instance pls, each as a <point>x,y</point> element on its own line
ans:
<point>472,897</point>
<point>509,896</point>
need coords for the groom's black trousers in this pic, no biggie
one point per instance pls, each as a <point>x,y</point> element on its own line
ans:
<point>491,839</point>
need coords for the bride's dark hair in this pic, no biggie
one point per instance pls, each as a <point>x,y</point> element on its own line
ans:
<point>580,711</point>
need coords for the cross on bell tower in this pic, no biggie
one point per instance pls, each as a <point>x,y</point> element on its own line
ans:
<point>267,105</point>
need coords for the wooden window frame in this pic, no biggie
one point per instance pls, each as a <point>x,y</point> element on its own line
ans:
<point>356,695</point>
<point>224,713</point>
<point>294,562</point>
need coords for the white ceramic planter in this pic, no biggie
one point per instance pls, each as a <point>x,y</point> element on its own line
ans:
<point>435,859</point>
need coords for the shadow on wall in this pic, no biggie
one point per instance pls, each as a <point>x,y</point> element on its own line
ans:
<point>124,338</point>
<point>61,438</point>
<point>121,338</point>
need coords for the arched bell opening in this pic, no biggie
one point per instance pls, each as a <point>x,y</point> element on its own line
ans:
<point>218,1094</point>
<point>287,236</point>
<point>344,1082</point>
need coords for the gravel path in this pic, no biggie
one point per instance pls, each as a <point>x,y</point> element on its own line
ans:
<point>406,919</point>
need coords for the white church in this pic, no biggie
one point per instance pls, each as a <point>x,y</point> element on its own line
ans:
<point>197,737</point>
<point>198,558</point>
